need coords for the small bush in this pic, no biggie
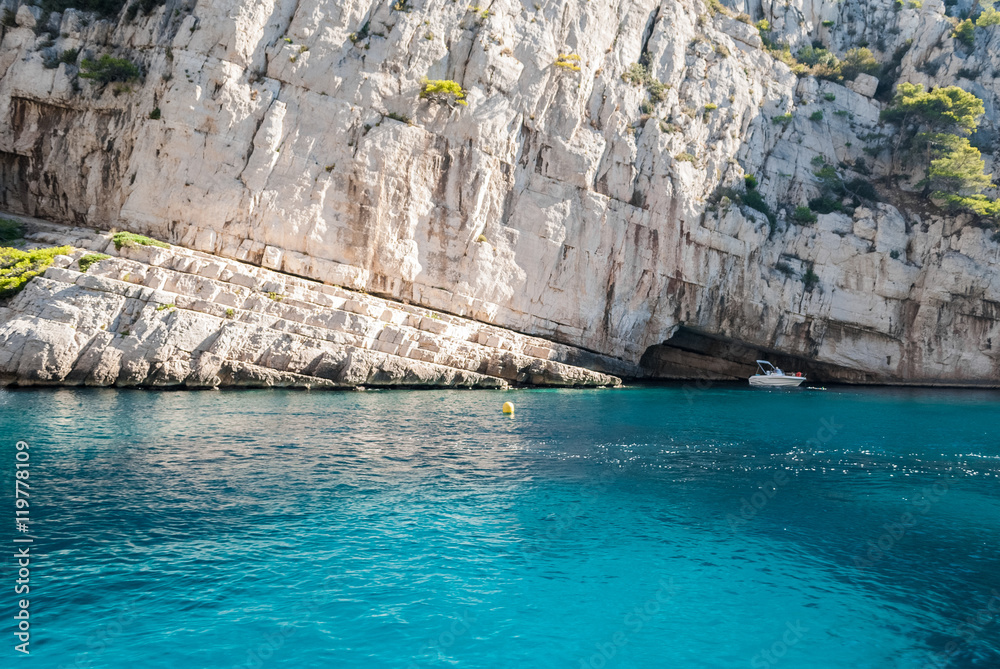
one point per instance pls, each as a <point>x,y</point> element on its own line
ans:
<point>828,23</point>
<point>69,56</point>
<point>810,279</point>
<point>155,114</point>
<point>569,61</point>
<point>657,91</point>
<point>894,255</point>
<point>829,97</point>
<point>858,61</point>
<point>989,17</point>
<point>131,239</point>
<point>755,200</point>
<point>18,267</point>
<point>230,313</point>
<point>9,19</point>
<point>685,157</point>
<point>91,259</point>
<point>481,238</point>
<point>395,116</point>
<point>784,268</point>
<point>825,204</point>
<point>816,116</point>
<point>10,230</point>
<point>107,69</point>
<point>164,307</point>
<point>750,181</point>
<point>804,216</point>
<point>636,74</point>
<point>965,32</point>
<point>862,188</point>
<point>717,7</point>
<point>443,91</point>
<point>277,297</point>
<point>784,118</point>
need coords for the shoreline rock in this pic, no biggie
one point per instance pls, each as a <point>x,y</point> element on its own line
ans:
<point>160,318</point>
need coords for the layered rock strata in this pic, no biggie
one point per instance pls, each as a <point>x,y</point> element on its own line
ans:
<point>171,317</point>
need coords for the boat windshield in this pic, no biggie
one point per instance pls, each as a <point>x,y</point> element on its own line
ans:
<point>767,369</point>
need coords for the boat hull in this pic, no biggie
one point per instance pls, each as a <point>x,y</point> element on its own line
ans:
<point>774,381</point>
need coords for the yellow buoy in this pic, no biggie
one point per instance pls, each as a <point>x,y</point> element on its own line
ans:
<point>508,408</point>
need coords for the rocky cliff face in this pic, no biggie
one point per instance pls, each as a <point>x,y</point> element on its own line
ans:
<point>561,203</point>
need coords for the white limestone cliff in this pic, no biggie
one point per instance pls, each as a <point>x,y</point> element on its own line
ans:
<point>279,143</point>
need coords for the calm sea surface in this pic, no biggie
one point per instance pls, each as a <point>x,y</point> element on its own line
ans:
<point>644,527</point>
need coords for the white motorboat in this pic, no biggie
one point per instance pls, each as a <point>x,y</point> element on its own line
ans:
<point>769,376</point>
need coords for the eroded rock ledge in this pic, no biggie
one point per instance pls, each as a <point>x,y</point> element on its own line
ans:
<point>172,317</point>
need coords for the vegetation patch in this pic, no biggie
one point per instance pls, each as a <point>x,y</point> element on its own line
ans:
<point>934,126</point>
<point>443,91</point>
<point>810,279</point>
<point>756,201</point>
<point>569,61</point>
<point>804,216</point>
<point>965,32</point>
<point>131,239</point>
<point>989,17</point>
<point>91,259</point>
<point>107,69</point>
<point>10,230</point>
<point>817,61</point>
<point>18,267</point>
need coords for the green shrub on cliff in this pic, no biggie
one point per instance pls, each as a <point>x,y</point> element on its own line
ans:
<point>934,126</point>
<point>91,259</point>
<point>131,239</point>
<point>569,61</point>
<point>443,91</point>
<point>989,17</point>
<point>10,230</point>
<point>948,109</point>
<point>107,69</point>
<point>18,267</point>
<point>965,32</point>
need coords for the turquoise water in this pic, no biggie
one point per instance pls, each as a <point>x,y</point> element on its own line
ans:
<point>645,527</point>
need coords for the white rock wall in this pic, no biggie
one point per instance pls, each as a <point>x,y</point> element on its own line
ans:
<point>274,146</point>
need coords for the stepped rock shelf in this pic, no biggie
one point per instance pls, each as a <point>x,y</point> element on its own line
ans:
<point>172,317</point>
